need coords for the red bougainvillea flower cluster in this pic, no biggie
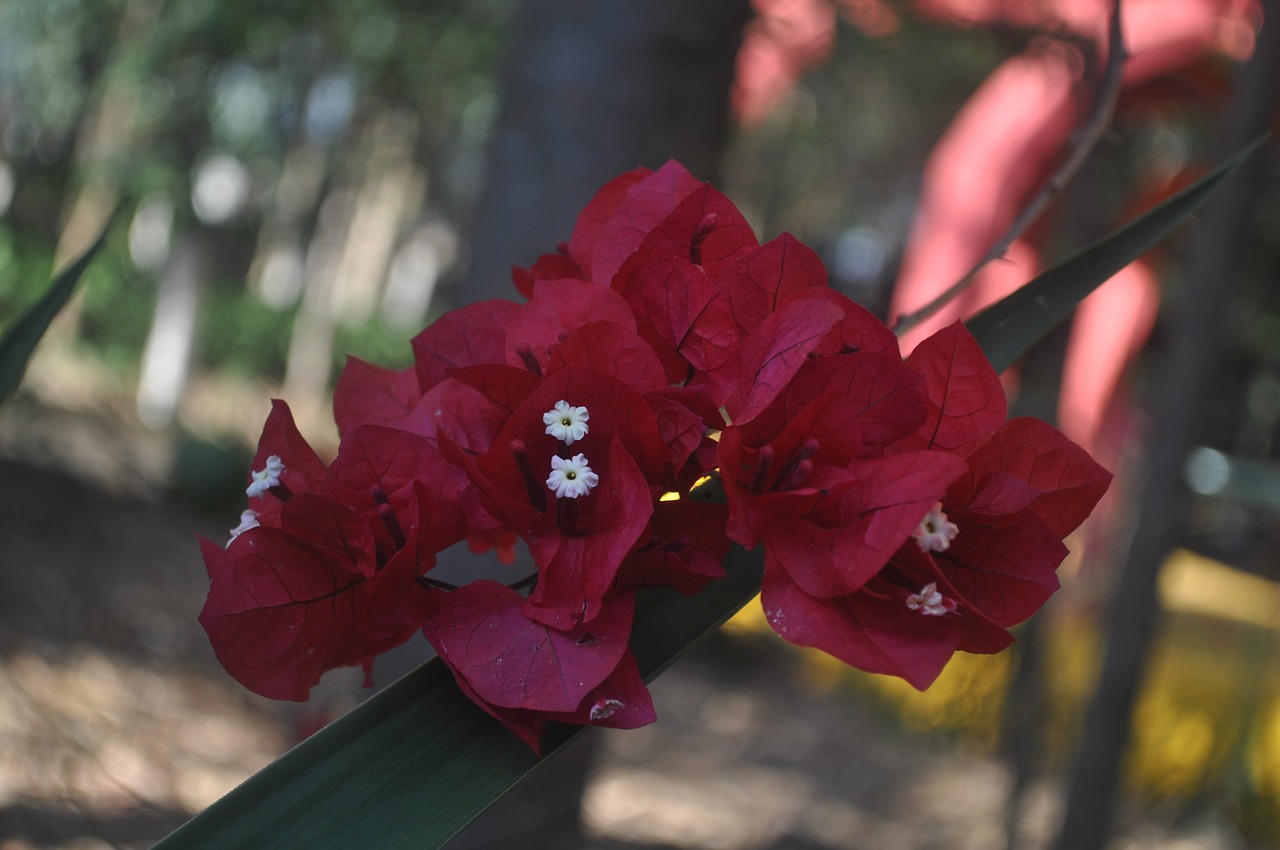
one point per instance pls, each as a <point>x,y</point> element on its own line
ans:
<point>902,516</point>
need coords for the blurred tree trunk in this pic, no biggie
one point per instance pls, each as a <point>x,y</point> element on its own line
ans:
<point>593,88</point>
<point>1134,607</point>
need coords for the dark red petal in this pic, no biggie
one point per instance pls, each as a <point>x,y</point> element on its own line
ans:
<point>872,633</point>
<point>548,267</point>
<point>460,412</point>
<point>869,400</point>
<point>560,308</point>
<point>644,204</point>
<point>504,385</point>
<point>397,604</point>
<point>1003,572</point>
<point>369,395</point>
<point>596,214</point>
<point>476,333</point>
<point>858,331</point>
<point>616,350</point>
<point>684,551</point>
<point>375,460</point>
<point>280,613</point>
<point>706,229</point>
<point>757,283</point>
<point>513,661</point>
<point>1069,481</point>
<point>334,530</point>
<point>966,401</point>
<point>620,702</point>
<point>869,524</point>
<point>684,317</point>
<point>775,351</point>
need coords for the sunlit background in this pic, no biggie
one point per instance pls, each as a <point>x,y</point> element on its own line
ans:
<point>297,182</point>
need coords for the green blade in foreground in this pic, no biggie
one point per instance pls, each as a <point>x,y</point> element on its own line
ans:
<point>1008,328</point>
<point>18,343</point>
<point>416,763</point>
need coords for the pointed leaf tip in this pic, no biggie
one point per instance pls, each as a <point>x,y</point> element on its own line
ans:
<point>1008,328</point>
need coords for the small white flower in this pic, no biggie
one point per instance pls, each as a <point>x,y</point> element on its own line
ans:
<point>266,478</point>
<point>604,709</point>
<point>248,520</point>
<point>935,533</point>
<point>566,422</point>
<point>930,602</point>
<point>571,478</point>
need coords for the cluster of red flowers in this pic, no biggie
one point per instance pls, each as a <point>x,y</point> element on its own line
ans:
<point>902,516</point>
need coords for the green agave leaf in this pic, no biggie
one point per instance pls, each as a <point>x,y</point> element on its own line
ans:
<point>416,763</point>
<point>1008,328</point>
<point>20,340</point>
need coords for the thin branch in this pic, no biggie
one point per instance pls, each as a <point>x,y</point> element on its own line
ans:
<point>434,583</point>
<point>1087,137</point>
<point>527,581</point>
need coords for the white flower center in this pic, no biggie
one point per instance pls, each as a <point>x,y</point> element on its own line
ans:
<point>266,478</point>
<point>571,478</point>
<point>248,520</point>
<point>930,602</point>
<point>566,422</point>
<point>935,533</point>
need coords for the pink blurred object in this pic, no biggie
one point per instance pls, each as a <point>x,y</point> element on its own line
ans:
<point>1009,137</point>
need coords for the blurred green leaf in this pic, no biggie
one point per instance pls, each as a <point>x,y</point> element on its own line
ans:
<point>1008,328</point>
<point>416,763</point>
<point>20,340</point>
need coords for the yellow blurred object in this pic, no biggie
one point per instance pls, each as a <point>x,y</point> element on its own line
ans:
<point>1193,720</point>
<point>1264,755</point>
<point>1195,584</point>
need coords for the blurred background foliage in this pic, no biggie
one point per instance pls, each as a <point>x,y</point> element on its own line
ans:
<point>299,179</point>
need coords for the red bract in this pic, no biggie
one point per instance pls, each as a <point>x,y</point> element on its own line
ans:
<point>513,661</point>
<point>288,604</point>
<point>473,334</point>
<point>686,320</point>
<point>369,395</point>
<point>614,350</point>
<point>706,229</point>
<point>605,245</point>
<point>980,559</point>
<point>619,702</point>
<point>525,673</point>
<point>966,402</point>
<point>888,626</point>
<point>757,283</point>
